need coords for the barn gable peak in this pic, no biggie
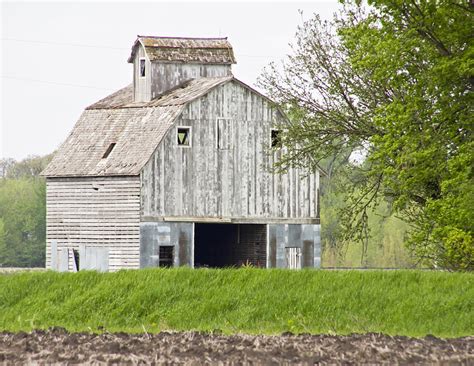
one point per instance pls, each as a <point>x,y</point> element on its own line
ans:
<point>162,63</point>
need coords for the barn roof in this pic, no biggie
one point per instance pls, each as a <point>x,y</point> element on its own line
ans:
<point>179,95</point>
<point>136,133</point>
<point>136,129</point>
<point>189,50</point>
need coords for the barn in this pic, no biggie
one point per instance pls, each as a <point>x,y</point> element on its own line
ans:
<point>176,170</point>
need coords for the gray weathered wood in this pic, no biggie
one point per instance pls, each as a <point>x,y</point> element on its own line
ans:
<point>53,254</point>
<point>63,260</point>
<point>228,181</point>
<point>79,215</point>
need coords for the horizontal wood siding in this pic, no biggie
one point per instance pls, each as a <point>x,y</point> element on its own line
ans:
<point>233,181</point>
<point>97,212</point>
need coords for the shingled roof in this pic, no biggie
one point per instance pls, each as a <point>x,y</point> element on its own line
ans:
<point>182,94</point>
<point>136,129</point>
<point>189,50</point>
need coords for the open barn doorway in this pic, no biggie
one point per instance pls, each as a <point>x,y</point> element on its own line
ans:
<point>230,245</point>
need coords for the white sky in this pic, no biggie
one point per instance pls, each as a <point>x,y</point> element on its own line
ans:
<point>59,57</point>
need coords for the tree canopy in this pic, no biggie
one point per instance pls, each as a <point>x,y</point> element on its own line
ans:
<point>22,212</point>
<point>393,79</point>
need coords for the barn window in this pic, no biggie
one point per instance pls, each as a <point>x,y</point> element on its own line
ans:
<point>109,150</point>
<point>184,136</point>
<point>224,134</point>
<point>276,138</point>
<point>166,256</point>
<point>142,68</point>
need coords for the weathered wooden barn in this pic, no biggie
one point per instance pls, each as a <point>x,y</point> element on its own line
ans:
<point>175,169</point>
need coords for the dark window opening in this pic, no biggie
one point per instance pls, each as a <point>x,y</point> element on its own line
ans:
<point>142,67</point>
<point>109,150</point>
<point>276,138</point>
<point>184,136</point>
<point>166,256</point>
<point>75,257</point>
<point>230,245</point>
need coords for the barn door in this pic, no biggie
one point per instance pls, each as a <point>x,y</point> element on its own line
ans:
<point>63,260</point>
<point>59,257</point>
<point>94,258</point>
<point>293,258</point>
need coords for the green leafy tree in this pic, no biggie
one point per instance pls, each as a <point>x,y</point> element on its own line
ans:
<point>393,80</point>
<point>22,213</point>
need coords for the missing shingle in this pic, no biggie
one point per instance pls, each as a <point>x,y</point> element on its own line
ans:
<point>109,150</point>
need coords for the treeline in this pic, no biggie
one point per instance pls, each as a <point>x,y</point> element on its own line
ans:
<point>22,212</point>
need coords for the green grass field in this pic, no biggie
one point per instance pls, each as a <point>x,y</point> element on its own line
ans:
<point>412,303</point>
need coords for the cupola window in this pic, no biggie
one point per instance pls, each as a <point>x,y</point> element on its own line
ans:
<point>142,68</point>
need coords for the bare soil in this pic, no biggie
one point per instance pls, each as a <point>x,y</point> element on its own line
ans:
<point>59,347</point>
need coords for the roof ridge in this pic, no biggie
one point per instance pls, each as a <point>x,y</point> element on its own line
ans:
<point>168,98</point>
<point>184,84</point>
<point>123,98</point>
<point>215,50</point>
<point>170,37</point>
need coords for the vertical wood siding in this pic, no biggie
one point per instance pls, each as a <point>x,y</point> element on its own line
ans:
<point>142,85</point>
<point>98,212</point>
<point>165,76</point>
<point>230,182</point>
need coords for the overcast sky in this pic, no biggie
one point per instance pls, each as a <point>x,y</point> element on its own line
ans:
<point>59,57</point>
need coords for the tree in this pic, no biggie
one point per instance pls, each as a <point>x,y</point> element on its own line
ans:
<point>32,166</point>
<point>23,213</point>
<point>5,165</point>
<point>395,80</point>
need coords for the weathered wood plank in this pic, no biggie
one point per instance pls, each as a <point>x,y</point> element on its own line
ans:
<point>230,182</point>
<point>96,212</point>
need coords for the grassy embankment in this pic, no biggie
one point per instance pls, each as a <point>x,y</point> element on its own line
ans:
<point>412,303</point>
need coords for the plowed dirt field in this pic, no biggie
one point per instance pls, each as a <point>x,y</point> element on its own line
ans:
<point>58,346</point>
